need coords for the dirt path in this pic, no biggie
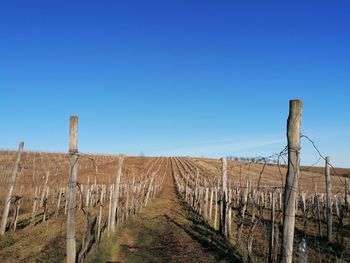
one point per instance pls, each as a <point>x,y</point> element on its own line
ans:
<point>167,230</point>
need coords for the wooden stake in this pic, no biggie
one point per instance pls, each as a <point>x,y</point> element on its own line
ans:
<point>109,209</point>
<point>47,173</point>
<point>149,188</point>
<point>216,209</point>
<point>116,193</point>
<point>318,213</point>
<point>72,189</point>
<point>211,204</point>
<point>32,221</point>
<point>272,230</point>
<point>206,204</point>
<point>59,201</point>
<point>329,199</point>
<point>292,179</point>
<point>99,222</point>
<point>223,215</point>
<point>346,193</point>
<point>10,190</point>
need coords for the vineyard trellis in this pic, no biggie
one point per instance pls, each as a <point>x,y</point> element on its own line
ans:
<point>194,182</point>
<point>41,186</point>
<point>247,202</point>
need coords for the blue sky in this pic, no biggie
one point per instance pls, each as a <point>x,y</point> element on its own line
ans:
<point>203,78</point>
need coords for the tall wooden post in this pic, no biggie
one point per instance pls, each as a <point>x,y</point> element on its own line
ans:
<point>272,230</point>
<point>10,190</point>
<point>72,189</point>
<point>346,193</point>
<point>329,199</point>
<point>292,179</point>
<point>216,209</point>
<point>223,210</point>
<point>116,193</point>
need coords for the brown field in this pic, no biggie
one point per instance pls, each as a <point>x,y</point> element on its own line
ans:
<point>167,229</point>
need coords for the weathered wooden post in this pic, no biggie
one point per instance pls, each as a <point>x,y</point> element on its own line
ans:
<point>99,222</point>
<point>329,199</point>
<point>216,208</point>
<point>72,189</point>
<point>223,209</point>
<point>45,203</point>
<point>206,204</point>
<point>318,215</point>
<point>346,193</point>
<point>116,194</point>
<point>109,208</point>
<point>292,179</point>
<point>211,204</point>
<point>240,223</point>
<point>60,191</point>
<point>35,199</point>
<point>18,202</point>
<point>12,183</point>
<point>149,188</point>
<point>47,173</point>
<point>272,230</point>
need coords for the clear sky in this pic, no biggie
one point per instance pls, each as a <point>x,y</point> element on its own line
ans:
<point>203,78</point>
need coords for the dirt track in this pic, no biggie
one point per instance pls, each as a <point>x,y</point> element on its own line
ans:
<point>167,230</point>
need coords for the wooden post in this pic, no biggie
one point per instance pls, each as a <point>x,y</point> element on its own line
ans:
<point>336,205</point>
<point>149,188</point>
<point>72,189</point>
<point>346,193</point>
<point>272,230</point>
<point>206,203</point>
<point>303,196</point>
<point>211,203</point>
<point>240,223</point>
<point>33,174</point>
<point>116,193</point>
<point>229,213</point>
<point>47,173</point>
<point>66,200</point>
<point>18,202</point>
<point>99,222</point>
<point>329,199</point>
<point>216,209</point>
<point>223,215</point>
<point>196,191</point>
<point>59,201</point>
<point>318,214</point>
<point>10,190</point>
<point>291,186</point>
<point>45,203</point>
<point>87,198</point>
<point>127,202</point>
<point>109,208</point>
<point>35,199</point>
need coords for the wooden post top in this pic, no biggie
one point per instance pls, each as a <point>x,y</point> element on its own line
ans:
<point>73,134</point>
<point>296,103</point>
